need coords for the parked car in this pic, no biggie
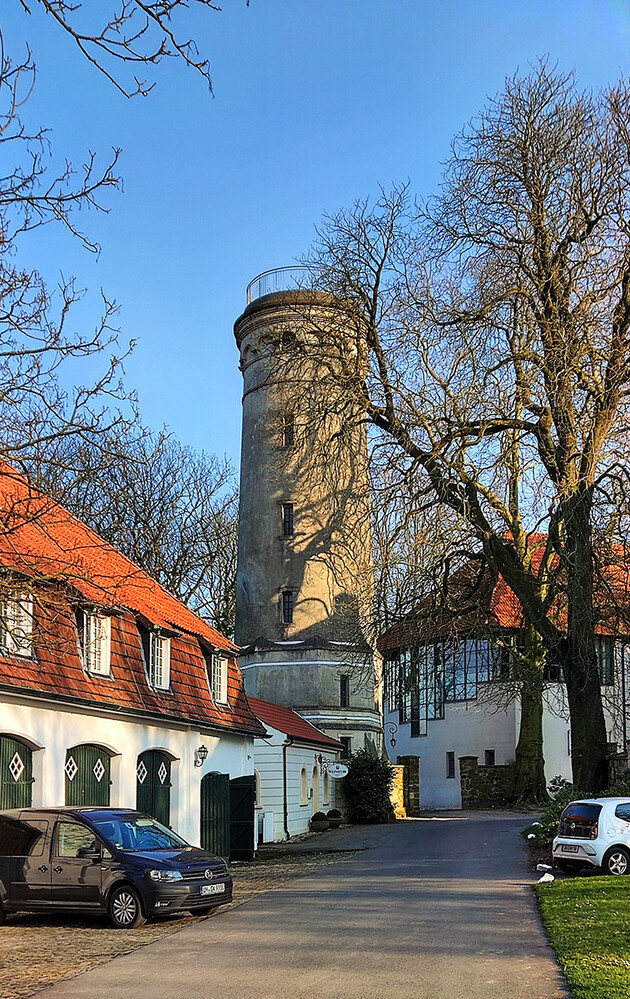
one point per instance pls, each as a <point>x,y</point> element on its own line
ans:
<point>596,832</point>
<point>111,860</point>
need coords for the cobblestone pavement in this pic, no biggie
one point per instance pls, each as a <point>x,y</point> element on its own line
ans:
<point>37,951</point>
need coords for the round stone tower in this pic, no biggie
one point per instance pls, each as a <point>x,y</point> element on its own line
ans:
<point>305,572</point>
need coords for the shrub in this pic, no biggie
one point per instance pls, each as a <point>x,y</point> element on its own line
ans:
<point>333,813</point>
<point>367,787</point>
<point>541,833</point>
<point>318,817</point>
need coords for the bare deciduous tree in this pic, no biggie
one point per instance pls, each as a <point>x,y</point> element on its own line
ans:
<point>37,338</point>
<point>496,320</point>
<point>132,33</point>
<point>170,510</point>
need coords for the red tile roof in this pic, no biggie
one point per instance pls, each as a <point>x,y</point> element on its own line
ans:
<point>474,601</point>
<point>288,721</point>
<point>70,565</point>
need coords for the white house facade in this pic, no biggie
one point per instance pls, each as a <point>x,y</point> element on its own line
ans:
<point>449,695</point>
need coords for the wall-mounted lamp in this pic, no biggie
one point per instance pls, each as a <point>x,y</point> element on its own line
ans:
<point>201,754</point>
<point>392,728</point>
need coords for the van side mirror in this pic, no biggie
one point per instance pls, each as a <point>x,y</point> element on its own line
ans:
<point>88,853</point>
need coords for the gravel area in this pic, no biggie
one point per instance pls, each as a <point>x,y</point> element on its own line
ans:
<point>38,950</point>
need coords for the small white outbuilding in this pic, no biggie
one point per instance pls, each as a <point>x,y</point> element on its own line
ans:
<point>292,772</point>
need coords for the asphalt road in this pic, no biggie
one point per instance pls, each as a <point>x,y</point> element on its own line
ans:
<point>437,908</point>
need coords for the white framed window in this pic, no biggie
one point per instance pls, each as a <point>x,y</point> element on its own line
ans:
<point>219,679</point>
<point>303,786</point>
<point>159,661</point>
<point>16,624</point>
<point>96,643</point>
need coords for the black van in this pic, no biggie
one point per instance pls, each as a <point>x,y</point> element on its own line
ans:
<point>112,860</point>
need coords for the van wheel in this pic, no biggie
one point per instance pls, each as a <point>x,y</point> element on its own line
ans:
<point>125,909</point>
<point>3,914</point>
<point>616,861</point>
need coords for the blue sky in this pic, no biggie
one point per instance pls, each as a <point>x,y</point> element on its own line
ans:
<point>315,103</point>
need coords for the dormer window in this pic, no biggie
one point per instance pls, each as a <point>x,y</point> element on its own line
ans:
<point>159,661</point>
<point>16,624</point>
<point>219,678</point>
<point>95,640</point>
<point>157,657</point>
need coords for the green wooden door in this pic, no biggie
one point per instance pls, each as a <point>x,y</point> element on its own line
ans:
<point>153,787</point>
<point>16,774</point>
<point>215,814</point>
<point>87,772</point>
<point>242,804</point>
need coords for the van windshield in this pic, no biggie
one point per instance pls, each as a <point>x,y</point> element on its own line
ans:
<point>138,834</point>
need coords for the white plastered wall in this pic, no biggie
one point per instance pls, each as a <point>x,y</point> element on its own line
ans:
<point>269,762</point>
<point>50,729</point>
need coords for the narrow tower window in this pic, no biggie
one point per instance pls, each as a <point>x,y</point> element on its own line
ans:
<point>287,607</point>
<point>288,430</point>
<point>287,519</point>
<point>344,692</point>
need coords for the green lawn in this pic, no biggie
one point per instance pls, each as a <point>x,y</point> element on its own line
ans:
<point>588,923</point>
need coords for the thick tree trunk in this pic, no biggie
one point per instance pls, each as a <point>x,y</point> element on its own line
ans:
<point>530,785</point>
<point>588,726</point>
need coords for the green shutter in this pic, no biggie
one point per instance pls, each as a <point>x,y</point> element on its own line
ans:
<point>87,771</point>
<point>16,774</point>
<point>153,785</point>
<point>215,814</point>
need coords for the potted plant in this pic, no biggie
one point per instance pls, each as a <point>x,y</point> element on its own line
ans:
<point>319,822</point>
<point>334,816</point>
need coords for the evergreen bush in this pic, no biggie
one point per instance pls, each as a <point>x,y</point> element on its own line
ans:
<point>541,833</point>
<point>367,788</point>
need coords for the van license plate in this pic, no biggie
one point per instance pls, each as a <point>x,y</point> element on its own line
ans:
<point>212,889</point>
<point>566,848</point>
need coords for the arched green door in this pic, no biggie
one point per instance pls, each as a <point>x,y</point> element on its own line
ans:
<point>87,772</point>
<point>153,787</point>
<point>16,773</point>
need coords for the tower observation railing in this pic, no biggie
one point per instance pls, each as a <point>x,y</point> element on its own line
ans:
<point>279,279</point>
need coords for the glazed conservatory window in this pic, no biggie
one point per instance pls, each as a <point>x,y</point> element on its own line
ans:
<point>16,625</point>
<point>605,652</point>
<point>96,643</point>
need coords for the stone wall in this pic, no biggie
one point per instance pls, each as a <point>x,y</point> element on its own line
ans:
<point>485,787</point>
<point>411,784</point>
<point>397,793</point>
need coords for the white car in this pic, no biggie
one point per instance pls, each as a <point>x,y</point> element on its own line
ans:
<point>595,831</point>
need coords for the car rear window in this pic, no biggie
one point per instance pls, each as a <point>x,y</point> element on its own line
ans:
<point>579,820</point>
<point>22,838</point>
<point>623,812</point>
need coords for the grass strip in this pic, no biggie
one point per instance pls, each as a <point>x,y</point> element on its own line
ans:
<point>588,924</point>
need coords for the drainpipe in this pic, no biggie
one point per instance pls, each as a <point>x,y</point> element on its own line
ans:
<point>285,745</point>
